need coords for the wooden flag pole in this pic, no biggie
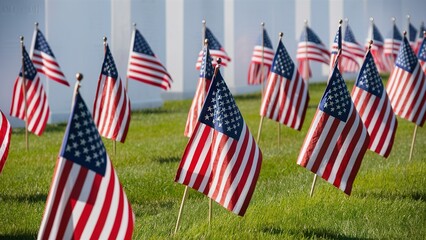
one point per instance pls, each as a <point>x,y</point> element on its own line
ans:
<point>24,90</point>
<point>313,185</point>
<point>260,129</point>
<point>185,192</point>
<point>262,82</point>
<point>203,32</point>
<point>412,143</point>
<point>281,34</point>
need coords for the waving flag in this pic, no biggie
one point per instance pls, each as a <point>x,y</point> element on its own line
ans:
<point>421,55</point>
<point>337,139</point>
<point>391,47</point>
<point>221,160</point>
<point>286,96</point>
<point>263,51</point>
<point>35,100</point>
<point>373,105</point>
<point>407,86</point>
<point>86,199</point>
<point>419,41</point>
<point>310,48</point>
<point>353,52</point>
<point>216,51</point>
<point>412,35</point>
<point>377,47</point>
<point>111,109</point>
<point>5,133</point>
<point>144,66</point>
<point>206,75</point>
<point>336,48</point>
<point>44,60</point>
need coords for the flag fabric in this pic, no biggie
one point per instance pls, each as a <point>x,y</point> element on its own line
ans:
<point>310,48</point>
<point>111,109</point>
<point>407,86</point>
<point>44,60</point>
<point>34,99</point>
<point>286,96</point>
<point>419,40</point>
<point>336,49</point>
<point>206,75</point>
<point>337,139</point>
<point>376,47</point>
<point>391,47</point>
<point>216,51</point>
<point>263,51</point>
<point>412,35</point>
<point>353,52</point>
<point>373,105</point>
<point>144,66</point>
<point>86,199</point>
<point>221,160</point>
<point>5,133</point>
<point>421,55</point>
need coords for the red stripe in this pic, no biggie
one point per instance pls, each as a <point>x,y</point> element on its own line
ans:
<point>166,79</point>
<point>130,225</point>
<point>148,82</point>
<point>118,216</point>
<point>143,66</point>
<point>356,167</point>
<point>99,100</point>
<point>227,158</point>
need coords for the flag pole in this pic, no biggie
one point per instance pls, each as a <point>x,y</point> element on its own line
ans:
<point>306,62</point>
<point>114,145</point>
<point>281,34</point>
<point>262,24</point>
<point>203,32</point>
<point>393,33</point>
<point>313,186</point>
<point>412,143</point>
<point>185,192</point>
<point>24,90</point>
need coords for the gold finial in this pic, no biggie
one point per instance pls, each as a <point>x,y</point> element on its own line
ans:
<point>262,24</point>
<point>281,34</point>
<point>340,21</point>
<point>21,38</point>
<point>206,41</point>
<point>370,43</point>
<point>404,33</point>
<point>79,77</point>
<point>219,61</point>
<point>105,40</point>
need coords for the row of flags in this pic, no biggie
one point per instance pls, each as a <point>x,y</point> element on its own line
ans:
<point>222,159</point>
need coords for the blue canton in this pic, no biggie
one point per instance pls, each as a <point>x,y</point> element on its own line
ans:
<point>395,34</point>
<point>108,67</point>
<point>338,40</point>
<point>29,70</point>
<point>82,142</point>
<point>220,111</point>
<point>422,51</point>
<point>213,42</point>
<point>377,37</point>
<point>41,44</point>
<point>349,36</point>
<point>310,36</point>
<point>141,45</point>
<point>282,64</point>
<point>369,78</point>
<point>412,31</point>
<point>406,59</point>
<point>336,100</point>
<point>206,70</point>
<point>266,40</point>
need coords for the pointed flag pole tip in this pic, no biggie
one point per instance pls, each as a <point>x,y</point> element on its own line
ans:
<point>21,38</point>
<point>370,43</point>
<point>219,61</point>
<point>340,22</point>
<point>79,77</point>
<point>405,33</point>
<point>281,34</point>
<point>206,41</point>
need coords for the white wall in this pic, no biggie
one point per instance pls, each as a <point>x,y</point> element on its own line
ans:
<point>74,30</point>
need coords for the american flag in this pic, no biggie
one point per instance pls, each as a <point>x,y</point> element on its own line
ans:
<point>373,105</point>
<point>412,35</point>
<point>221,160</point>
<point>336,49</point>
<point>44,60</point>
<point>309,48</point>
<point>377,47</point>
<point>337,139</point>
<point>216,51</point>
<point>206,75</point>
<point>38,110</point>
<point>5,133</point>
<point>86,199</point>
<point>111,109</point>
<point>419,41</point>
<point>407,86</point>
<point>421,55</point>
<point>286,96</point>
<point>353,52</point>
<point>144,66</point>
<point>261,52</point>
<point>391,47</point>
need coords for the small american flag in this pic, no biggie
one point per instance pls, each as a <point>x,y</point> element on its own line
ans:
<point>373,105</point>
<point>407,86</point>
<point>5,133</point>
<point>353,52</point>
<point>419,41</point>
<point>286,96</point>
<point>412,35</point>
<point>111,109</point>
<point>38,110</point>
<point>44,60</point>
<point>216,51</point>
<point>336,48</point>
<point>421,55</point>
<point>206,75</point>
<point>376,47</point>
<point>391,47</point>
<point>144,66</point>
<point>256,75</point>
<point>86,199</point>
<point>337,138</point>
<point>309,48</point>
<point>221,160</point>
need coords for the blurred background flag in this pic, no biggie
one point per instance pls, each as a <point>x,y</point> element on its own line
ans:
<point>422,53</point>
<point>391,47</point>
<point>336,48</point>
<point>353,52</point>
<point>263,54</point>
<point>216,50</point>
<point>377,47</point>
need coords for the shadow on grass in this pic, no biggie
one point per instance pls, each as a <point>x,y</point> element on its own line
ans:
<point>37,197</point>
<point>58,127</point>
<point>162,160</point>
<point>154,208</point>
<point>308,233</point>
<point>17,236</point>
<point>416,196</point>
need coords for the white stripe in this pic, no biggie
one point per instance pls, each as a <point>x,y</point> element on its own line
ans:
<point>308,137</point>
<point>98,98</point>
<point>201,159</point>
<point>223,154</point>
<point>124,219</point>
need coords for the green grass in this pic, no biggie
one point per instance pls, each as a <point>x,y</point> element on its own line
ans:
<point>388,199</point>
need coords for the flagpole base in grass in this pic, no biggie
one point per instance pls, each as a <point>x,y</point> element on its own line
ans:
<point>313,186</point>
